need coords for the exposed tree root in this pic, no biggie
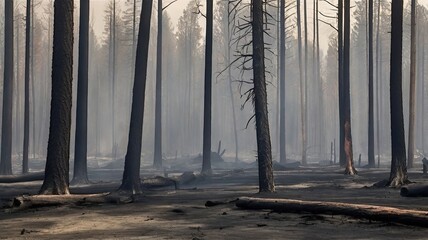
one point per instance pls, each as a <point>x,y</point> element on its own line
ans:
<point>414,190</point>
<point>371,212</point>
<point>36,176</point>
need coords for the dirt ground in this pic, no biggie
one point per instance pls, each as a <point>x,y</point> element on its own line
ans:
<point>181,214</point>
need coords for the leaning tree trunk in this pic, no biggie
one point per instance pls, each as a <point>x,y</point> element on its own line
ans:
<point>131,174</point>
<point>27,89</point>
<point>371,93</point>
<point>57,162</point>
<point>6,133</point>
<point>412,93</point>
<point>398,175</point>
<point>157,162</point>
<point>80,174</point>
<point>282,145</point>
<point>206,154</point>
<point>347,144</point>
<point>264,151</point>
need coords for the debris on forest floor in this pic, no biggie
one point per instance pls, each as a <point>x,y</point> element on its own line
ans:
<point>414,190</point>
<point>28,177</point>
<point>364,211</point>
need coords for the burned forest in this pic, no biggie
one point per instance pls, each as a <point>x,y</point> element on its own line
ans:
<point>225,119</point>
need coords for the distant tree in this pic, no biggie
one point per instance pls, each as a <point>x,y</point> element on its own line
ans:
<point>206,154</point>
<point>342,157</point>
<point>264,151</point>
<point>347,144</point>
<point>80,174</point>
<point>27,88</point>
<point>131,174</point>
<point>57,163</point>
<point>398,174</point>
<point>412,93</point>
<point>302,84</point>
<point>282,145</point>
<point>371,93</point>
<point>6,133</point>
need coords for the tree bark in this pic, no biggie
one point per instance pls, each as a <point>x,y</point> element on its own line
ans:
<point>57,164</point>
<point>412,93</point>
<point>371,212</point>
<point>370,141</point>
<point>27,89</point>
<point>131,174</point>
<point>264,151</point>
<point>80,174</point>
<point>347,144</point>
<point>378,79</point>
<point>206,154</point>
<point>302,84</point>
<point>6,133</point>
<point>342,156</point>
<point>282,144</point>
<point>398,174</point>
<point>157,162</point>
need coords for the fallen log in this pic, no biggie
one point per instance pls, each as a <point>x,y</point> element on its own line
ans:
<point>424,165</point>
<point>28,177</point>
<point>370,212</point>
<point>37,201</point>
<point>414,190</point>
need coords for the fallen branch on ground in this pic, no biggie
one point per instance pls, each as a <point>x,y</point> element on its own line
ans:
<point>36,176</point>
<point>414,190</point>
<point>371,212</point>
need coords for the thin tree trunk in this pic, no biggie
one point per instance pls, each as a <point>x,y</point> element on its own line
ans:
<point>282,145</point>
<point>113,82</point>
<point>305,106</point>
<point>342,156</point>
<point>206,154</point>
<point>157,163</point>
<point>33,84</point>
<point>57,163</point>
<point>302,85</point>
<point>27,88</point>
<point>6,133</point>
<point>131,174</point>
<point>80,174</point>
<point>371,156</point>
<point>264,151</point>
<point>412,93</point>
<point>378,79</point>
<point>398,175</point>
<point>347,144</point>
<point>319,79</point>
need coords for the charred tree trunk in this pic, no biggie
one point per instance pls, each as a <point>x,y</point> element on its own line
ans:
<point>264,151</point>
<point>80,174</point>
<point>282,144</point>
<point>57,162</point>
<point>157,162</point>
<point>302,85</point>
<point>131,174</point>
<point>412,93</point>
<point>347,144</point>
<point>371,105</point>
<point>398,175</point>
<point>378,79</point>
<point>6,131</point>
<point>27,89</point>
<point>342,157</point>
<point>206,154</point>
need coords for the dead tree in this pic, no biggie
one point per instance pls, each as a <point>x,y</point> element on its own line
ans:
<point>371,93</point>
<point>27,89</point>
<point>282,145</point>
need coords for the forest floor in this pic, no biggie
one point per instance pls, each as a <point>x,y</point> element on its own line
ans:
<point>181,214</point>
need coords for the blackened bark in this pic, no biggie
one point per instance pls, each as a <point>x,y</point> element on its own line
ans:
<point>398,174</point>
<point>347,144</point>
<point>378,79</point>
<point>157,162</point>
<point>371,93</point>
<point>131,174</point>
<point>80,174</point>
<point>6,133</point>
<point>412,93</point>
<point>342,157</point>
<point>206,154</point>
<point>282,144</point>
<point>57,162</point>
<point>264,151</point>
<point>27,89</point>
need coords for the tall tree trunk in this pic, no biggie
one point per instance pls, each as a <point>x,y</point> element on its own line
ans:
<point>57,162</point>
<point>131,174</point>
<point>398,175</point>
<point>264,151</point>
<point>423,94</point>
<point>206,154</point>
<point>412,93</point>
<point>113,83</point>
<point>282,144</point>
<point>342,156</point>
<point>157,163</point>
<point>378,79</point>
<point>6,133</point>
<point>371,105</point>
<point>347,144</point>
<point>27,88</point>
<point>33,79</point>
<point>80,174</point>
<point>305,105</point>
<point>302,85</point>
<point>319,79</point>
